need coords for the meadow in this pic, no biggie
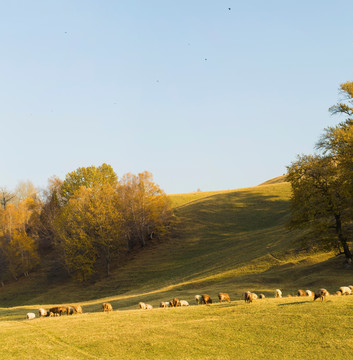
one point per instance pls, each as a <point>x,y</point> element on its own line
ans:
<point>294,328</point>
<point>227,241</point>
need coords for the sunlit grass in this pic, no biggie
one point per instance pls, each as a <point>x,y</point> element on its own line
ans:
<point>272,329</point>
<point>230,241</point>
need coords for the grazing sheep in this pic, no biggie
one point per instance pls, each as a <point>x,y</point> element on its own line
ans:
<point>107,307</point>
<point>248,297</point>
<point>142,305</point>
<point>278,293</point>
<point>262,296</point>
<point>30,316</point>
<point>206,299</point>
<point>59,310</point>
<point>351,287</point>
<point>223,297</point>
<point>321,293</point>
<point>149,307</point>
<point>345,290</point>
<point>77,309</point>
<point>198,299</point>
<point>338,293</point>
<point>70,310</point>
<point>301,293</point>
<point>174,303</point>
<point>184,303</point>
<point>309,293</point>
<point>254,296</point>
<point>43,312</point>
<point>164,304</point>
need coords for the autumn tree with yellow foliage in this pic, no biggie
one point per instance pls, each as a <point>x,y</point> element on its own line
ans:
<point>18,245</point>
<point>101,219</point>
<point>85,224</point>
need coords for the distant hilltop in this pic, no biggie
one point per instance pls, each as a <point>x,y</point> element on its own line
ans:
<point>276,180</point>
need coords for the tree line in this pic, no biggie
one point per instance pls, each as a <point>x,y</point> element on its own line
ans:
<point>322,184</point>
<point>87,222</point>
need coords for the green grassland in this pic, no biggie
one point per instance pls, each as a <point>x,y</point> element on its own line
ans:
<point>229,241</point>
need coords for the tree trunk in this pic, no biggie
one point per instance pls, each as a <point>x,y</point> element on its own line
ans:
<point>108,268</point>
<point>342,239</point>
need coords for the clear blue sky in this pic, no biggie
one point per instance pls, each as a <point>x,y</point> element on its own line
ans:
<point>127,83</point>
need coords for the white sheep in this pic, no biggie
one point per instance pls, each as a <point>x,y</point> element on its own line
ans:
<point>43,312</point>
<point>142,305</point>
<point>149,307</point>
<point>345,290</point>
<point>309,293</point>
<point>184,303</point>
<point>278,293</point>
<point>198,299</point>
<point>254,296</point>
<point>30,316</point>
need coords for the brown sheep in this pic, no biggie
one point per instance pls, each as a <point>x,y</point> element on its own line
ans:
<point>174,303</point>
<point>77,309</point>
<point>248,297</point>
<point>223,297</point>
<point>107,307</point>
<point>206,299</point>
<point>70,310</point>
<point>58,310</point>
<point>301,293</point>
<point>320,294</point>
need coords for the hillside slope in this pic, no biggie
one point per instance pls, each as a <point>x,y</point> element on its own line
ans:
<point>225,241</point>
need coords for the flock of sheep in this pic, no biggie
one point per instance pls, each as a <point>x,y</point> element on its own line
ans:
<point>199,299</point>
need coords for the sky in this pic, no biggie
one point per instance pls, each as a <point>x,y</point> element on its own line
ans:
<point>202,96</point>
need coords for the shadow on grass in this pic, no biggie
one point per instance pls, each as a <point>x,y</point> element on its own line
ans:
<point>295,303</point>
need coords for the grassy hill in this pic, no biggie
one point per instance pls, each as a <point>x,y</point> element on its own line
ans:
<point>229,241</point>
<point>225,241</point>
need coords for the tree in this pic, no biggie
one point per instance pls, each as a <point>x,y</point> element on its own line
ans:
<point>89,229</point>
<point>49,212</point>
<point>6,197</point>
<point>323,184</point>
<point>319,202</point>
<point>146,208</point>
<point>18,246</point>
<point>87,177</point>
